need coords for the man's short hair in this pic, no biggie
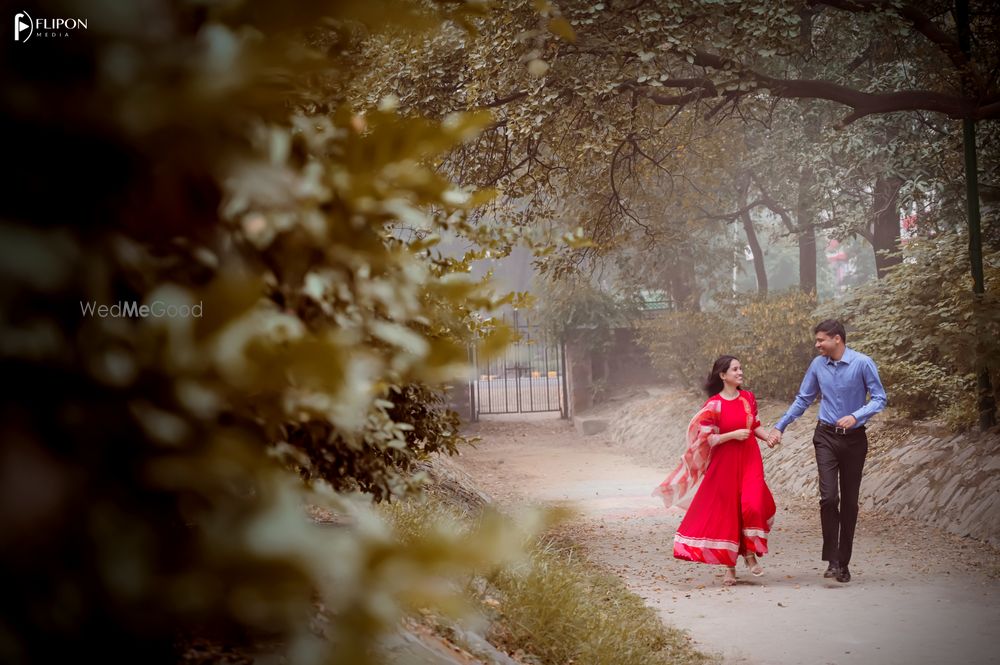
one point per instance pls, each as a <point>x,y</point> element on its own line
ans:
<point>831,327</point>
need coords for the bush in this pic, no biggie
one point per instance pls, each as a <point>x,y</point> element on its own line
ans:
<point>143,497</point>
<point>553,604</point>
<point>922,326</point>
<point>561,609</point>
<point>683,345</point>
<point>771,337</point>
<point>406,426</point>
<point>779,346</point>
<point>573,303</point>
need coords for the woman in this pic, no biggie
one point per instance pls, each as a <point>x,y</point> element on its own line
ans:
<point>732,510</point>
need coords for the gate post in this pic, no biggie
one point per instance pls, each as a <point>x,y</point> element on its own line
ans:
<point>564,378</point>
<point>460,395</point>
<point>580,395</point>
<point>460,400</point>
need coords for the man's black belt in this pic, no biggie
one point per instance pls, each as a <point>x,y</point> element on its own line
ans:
<point>839,431</point>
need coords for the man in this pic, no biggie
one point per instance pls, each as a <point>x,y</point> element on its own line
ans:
<point>844,378</point>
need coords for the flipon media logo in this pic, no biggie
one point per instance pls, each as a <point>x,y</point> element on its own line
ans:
<point>22,27</point>
<point>25,27</point>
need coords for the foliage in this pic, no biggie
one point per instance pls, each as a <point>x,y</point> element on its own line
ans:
<point>921,324</point>
<point>770,336</point>
<point>559,608</point>
<point>683,345</point>
<point>145,466</point>
<point>625,119</point>
<point>552,603</point>
<point>556,133</point>
<point>400,431</point>
<point>778,344</point>
<point>926,331</point>
<point>576,304</point>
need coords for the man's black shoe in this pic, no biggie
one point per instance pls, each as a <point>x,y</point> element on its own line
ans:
<point>833,570</point>
<point>844,575</point>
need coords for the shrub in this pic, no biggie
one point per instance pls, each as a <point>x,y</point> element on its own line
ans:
<point>562,609</point>
<point>778,342</point>
<point>683,345</point>
<point>144,499</point>
<point>771,337</point>
<point>922,326</point>
<point>573,303</point>
<point>553,604</point>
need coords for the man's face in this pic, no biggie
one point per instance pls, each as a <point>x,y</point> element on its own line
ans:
<point>825,344</point>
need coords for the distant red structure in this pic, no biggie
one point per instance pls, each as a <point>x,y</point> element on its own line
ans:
<point>908,228</point>
<point>838,260</point>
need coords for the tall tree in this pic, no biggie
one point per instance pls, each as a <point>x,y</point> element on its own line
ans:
<point>969,92</point>
<point>576,95</point>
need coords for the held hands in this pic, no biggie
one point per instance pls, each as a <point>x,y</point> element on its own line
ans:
<point>847,422</point>
<point>773,438</point>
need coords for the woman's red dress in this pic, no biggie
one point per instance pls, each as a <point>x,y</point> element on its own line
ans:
<point>732,511</point>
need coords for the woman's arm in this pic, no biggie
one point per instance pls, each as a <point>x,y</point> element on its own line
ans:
<point>760,433</point>
<point>738,434</point>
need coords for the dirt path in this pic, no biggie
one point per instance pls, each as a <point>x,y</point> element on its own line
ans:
<point>918,595</point>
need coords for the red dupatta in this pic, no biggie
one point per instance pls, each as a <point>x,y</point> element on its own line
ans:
<point>702,436</point>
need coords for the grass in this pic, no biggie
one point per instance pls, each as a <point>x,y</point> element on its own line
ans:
<point>563,609</point>
<point>557,608</point>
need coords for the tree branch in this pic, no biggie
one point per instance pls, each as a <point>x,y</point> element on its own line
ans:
<point>862,103</point>
<point>513,97</point>
<point>736,214</point>
<point>775,207</point>
<point>920,22</point>
<point>862,58</point>
<point>989,111</point>
<point>676,100</point>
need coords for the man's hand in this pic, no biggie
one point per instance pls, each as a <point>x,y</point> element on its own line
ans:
<point>773,438</point>
<point>847,422</point>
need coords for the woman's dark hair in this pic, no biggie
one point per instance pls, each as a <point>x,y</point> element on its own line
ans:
<point>831,327</point>
<point>713,384</point>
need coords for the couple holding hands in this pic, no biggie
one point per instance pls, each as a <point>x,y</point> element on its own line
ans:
<point>730,513</point>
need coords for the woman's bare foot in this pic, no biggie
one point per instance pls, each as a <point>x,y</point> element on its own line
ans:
<point>755,568</point>
<point>730,577</point>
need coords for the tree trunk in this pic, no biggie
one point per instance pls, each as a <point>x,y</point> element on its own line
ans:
<point>807,233</point>
<point>986,402</point>
<point>683,286</point>
<point>885,223</point>
<point>758,254</point>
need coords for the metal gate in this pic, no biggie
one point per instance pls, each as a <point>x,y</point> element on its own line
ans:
<point>529,377</point>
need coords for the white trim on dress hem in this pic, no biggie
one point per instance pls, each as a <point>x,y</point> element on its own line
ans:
<point>706,543</point>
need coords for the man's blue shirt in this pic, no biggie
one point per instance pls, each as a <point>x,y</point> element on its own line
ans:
<point>844,385</point>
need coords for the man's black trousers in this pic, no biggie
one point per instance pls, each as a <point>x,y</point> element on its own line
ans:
<point>840,458</point>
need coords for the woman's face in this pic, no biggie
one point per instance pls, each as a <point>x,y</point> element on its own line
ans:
<point>734,375</point>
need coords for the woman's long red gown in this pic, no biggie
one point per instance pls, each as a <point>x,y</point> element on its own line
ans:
<point>732,511</point>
